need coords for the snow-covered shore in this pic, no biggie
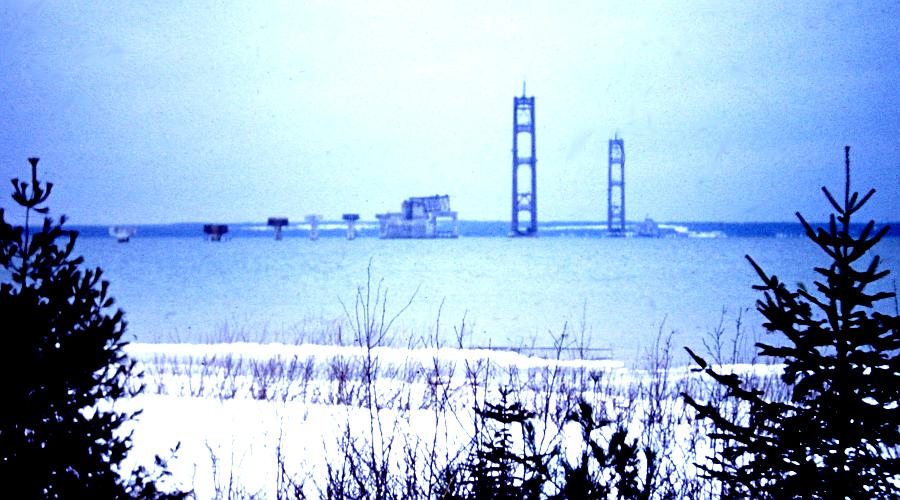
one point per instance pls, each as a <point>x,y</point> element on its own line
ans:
<point>256,420</point>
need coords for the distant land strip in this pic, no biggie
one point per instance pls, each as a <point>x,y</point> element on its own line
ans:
<point>337,229</point>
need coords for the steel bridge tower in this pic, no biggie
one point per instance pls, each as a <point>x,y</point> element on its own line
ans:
<point>615,213</point>
<point>524,191</point>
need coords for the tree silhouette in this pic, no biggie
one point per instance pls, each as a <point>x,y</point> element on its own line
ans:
<point>838,434</point>
<point>601,473</point>
<point>498,471</point>
<point>61,367</point>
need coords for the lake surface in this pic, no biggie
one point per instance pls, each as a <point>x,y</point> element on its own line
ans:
<point>619,292</point>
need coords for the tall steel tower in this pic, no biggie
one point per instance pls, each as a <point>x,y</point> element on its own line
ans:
<point>615,213</point>
<point>524,191</point>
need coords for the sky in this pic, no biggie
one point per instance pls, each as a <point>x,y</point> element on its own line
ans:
<point>220,111</point>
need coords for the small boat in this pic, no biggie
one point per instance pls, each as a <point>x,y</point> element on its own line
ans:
<point>122,233</point>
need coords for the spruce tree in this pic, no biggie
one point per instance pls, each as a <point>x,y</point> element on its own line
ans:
<point>498,471</point>
<point>603,472</point>
<point>61,368</point>
<point>838,433</point>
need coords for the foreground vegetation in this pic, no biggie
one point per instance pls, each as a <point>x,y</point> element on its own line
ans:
<point>62,364</point>
<point>450,422</point>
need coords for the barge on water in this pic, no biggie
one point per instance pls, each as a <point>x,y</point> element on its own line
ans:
<point>420,217</point>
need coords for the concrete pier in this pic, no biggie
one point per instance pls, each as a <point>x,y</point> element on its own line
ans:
<point>277,223</point>
<point>351,225</point>
<point>214,232</point>
<point>313,221</point>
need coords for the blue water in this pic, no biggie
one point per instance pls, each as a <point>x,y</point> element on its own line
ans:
<point>618,292</point>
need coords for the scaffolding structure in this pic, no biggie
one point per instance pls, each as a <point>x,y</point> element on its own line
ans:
<point>420,217</point>
<point>524,194</point>
<point>615,211</point>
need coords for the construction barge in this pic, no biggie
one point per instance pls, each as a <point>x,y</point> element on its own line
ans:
<point>420,217</point>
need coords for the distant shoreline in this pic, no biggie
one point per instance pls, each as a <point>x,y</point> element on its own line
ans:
<point>369,229</point>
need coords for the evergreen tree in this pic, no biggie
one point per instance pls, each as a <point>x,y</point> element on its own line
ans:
<point>498,471</point>
<point>601,473</point>
<point>838,435</point>
<point>61,367</point>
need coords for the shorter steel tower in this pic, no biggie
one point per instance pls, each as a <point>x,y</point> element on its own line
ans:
<point>524,194</point>
<point>615,212</point>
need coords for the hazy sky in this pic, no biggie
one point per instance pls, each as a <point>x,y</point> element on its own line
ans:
<point>236,111</point>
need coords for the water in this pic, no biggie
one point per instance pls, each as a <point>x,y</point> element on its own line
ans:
<point>618,292</point>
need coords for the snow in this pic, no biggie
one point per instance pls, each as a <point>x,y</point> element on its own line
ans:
<point>242,412</point>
